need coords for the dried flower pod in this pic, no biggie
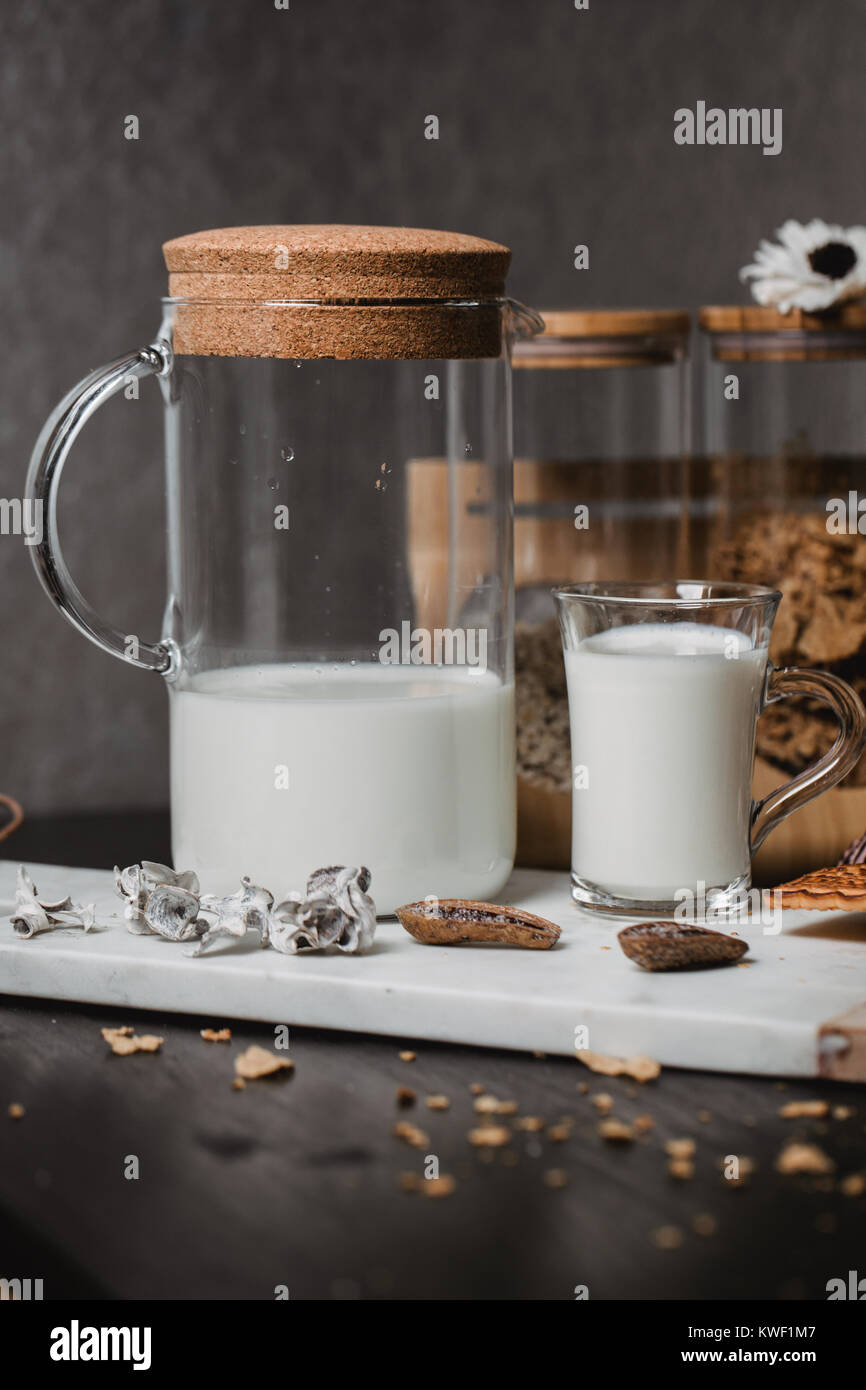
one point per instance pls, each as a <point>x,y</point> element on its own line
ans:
<point>138,882</point>
<point>173,913</point>
<point>348,889</point>
<point>677,946</point>
<point>129,885</point>
<point>247,910</point>
<point>300,925</point>
<point>335,911</point>
<point>32,916</point>
<point>454,921</point>
<point>154,874</point>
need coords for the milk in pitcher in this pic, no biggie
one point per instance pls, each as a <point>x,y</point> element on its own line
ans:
<point>278,770</point>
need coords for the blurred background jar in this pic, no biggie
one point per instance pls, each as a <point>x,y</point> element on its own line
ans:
<point>601,421</point>
<point>774,500</point>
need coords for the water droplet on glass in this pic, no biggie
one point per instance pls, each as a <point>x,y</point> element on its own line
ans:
<point>467,449</point>
<point>287,454</point>
<point>243,429</point>
<point>273,484</point>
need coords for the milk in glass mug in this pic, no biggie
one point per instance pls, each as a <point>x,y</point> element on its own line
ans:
<point>665,685</point>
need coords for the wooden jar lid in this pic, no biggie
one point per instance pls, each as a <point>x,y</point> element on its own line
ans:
<point>614,323</point>
<point>756,333</point>
<point>606,338</point>
<point>756,318</point>
<point>238,289</point>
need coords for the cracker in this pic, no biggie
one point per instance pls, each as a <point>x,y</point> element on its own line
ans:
<point>412,1135</point>
<point>840,888</point>
<point>615,1132</point>
<point>489,1136</point>
<point>557,1134</point>
<point>491,1105</point>
<point>258,1061</point>
<point>680,1148</point>
<point>123,1042</point>
<point>804,1109</point>
<point>442,1186</point>
<point>638,1068</point>
<point>804,1158</point>
<point>683,1169</point>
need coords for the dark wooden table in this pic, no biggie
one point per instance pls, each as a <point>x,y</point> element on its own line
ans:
<point>296,1182</point>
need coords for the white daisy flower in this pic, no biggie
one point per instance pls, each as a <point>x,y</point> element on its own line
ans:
<point>812,268</point>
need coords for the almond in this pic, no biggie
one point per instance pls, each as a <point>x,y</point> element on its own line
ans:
<point>678,946</point>
<point>455,921</point>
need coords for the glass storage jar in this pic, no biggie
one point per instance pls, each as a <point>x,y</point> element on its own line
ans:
<point>330,700</point>
<point>601,420</point>
<point>776,489</point>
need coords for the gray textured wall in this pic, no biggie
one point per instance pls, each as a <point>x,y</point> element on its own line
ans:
<point>556,128</point>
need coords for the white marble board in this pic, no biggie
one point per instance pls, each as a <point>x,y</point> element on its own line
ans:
<point>797,1010</point>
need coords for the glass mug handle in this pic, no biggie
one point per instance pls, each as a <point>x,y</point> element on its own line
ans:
<point>835,764</point>
<point>43,479</point>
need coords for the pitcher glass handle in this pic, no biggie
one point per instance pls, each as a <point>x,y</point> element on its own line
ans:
<point>43,479</point>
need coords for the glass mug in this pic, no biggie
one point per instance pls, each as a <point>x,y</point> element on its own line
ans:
<point>665,685</point>
<point>340,691</point>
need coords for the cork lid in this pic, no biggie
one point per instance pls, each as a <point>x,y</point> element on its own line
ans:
<point>336,291</point>
<point>334,263</point>
<point>758,333</point>
<point>606,338</point>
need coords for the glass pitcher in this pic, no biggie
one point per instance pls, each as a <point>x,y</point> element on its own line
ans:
<point>340,676</point>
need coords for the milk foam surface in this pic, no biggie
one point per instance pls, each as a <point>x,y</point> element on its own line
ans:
<point>408,770</point>
<point>663,720</point>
